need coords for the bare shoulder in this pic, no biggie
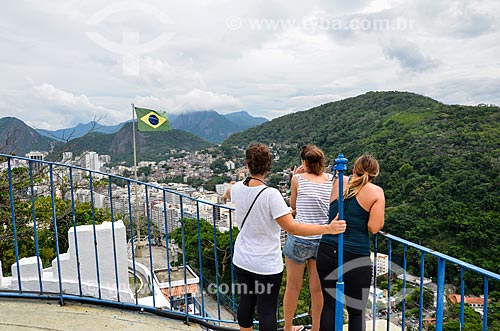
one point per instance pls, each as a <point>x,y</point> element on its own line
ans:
<point>375,190</point>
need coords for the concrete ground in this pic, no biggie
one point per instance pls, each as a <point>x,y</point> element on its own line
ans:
<point>26,314</point>
<point>23,314</point>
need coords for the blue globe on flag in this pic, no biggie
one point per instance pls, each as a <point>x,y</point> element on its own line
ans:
<point>153,119</point>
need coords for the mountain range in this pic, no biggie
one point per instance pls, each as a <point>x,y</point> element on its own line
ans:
<point>208,125</point>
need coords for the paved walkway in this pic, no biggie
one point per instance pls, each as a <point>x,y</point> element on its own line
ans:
<point>23,314</point>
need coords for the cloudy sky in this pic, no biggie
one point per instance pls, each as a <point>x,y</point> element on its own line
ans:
<point>69,62</point>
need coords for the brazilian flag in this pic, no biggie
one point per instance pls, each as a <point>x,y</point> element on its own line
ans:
<point>150,120</point>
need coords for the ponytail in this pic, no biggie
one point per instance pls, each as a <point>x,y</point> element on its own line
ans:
<point>366,169</point>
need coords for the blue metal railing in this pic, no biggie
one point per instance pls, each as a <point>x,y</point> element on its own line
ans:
<point>92,271</point>
<point>440,302</point>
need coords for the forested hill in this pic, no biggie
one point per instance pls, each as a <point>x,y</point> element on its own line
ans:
<point>440,164</point>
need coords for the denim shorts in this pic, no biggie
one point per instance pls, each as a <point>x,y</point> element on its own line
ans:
<point>300,250</point>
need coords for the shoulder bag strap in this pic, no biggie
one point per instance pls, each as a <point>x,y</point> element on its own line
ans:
<point>248,212</point>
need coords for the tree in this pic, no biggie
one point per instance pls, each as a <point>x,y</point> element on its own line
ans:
<point>472,320</point>
<point>207,248</point>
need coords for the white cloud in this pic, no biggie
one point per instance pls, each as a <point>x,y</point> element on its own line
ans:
<point>193,100</point>
<point>447,49</point>
<point>61,108</point>
<point>205,100</point>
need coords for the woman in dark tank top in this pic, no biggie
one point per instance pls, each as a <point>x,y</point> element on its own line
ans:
<point>364,206</point>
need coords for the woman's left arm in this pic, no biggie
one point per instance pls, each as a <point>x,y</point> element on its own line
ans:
<point>293,196</point>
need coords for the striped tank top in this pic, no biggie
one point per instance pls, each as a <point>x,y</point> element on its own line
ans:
<point>313,202</point>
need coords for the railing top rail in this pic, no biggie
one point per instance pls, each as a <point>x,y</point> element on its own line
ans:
<point>448,258</point>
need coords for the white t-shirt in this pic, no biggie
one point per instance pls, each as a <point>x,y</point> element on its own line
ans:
<point>258,246</point>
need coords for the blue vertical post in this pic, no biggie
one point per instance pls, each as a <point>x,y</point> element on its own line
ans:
<point>403,302</point>
<point>167,238</point>
<point>231,249</point>
<point>114,237</point>
<point>485,309</point>
<point>56,238</point>
<point>200,257</point>
<point>131,224</point>
<point>35,231</point>
<point>389,274</point>
<point>75,236</point>
<point>150,244</point>
<point>14,230</point>
<point>462,296</point>
<point>374,303</point>
<point>440,295</point>
<point>421,302</point>
<point>340,166</point>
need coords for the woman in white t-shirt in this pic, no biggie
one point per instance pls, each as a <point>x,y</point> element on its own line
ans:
<point>260,214</point>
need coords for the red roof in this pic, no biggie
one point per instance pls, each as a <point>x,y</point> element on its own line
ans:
<point>179,290</point>
<point>456,298</point>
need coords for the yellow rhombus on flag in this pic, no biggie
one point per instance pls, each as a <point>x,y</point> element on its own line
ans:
<point>150,120</point>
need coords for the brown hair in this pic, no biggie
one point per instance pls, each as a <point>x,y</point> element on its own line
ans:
<point>258,158</point>
<point>366,169</point>
<point>314,159</point>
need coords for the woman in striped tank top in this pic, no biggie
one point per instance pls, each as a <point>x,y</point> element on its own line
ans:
<point>310,197</point>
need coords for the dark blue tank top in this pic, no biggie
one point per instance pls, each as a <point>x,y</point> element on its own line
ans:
<point>356,238</point>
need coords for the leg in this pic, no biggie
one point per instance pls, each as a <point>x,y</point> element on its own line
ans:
<point>357,279</point>
<point>267,289</point>
<point>327,266</point>
<point>316,294</point>
<point>294,278</point>
<point>248,298</point>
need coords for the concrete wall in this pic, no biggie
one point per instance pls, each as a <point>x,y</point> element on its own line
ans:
<point>104,286</point>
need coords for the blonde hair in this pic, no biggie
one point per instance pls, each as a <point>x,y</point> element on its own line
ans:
<point>314,159</point>
<point>366,169</point>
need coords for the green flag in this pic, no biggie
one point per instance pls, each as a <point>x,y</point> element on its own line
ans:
<point>149,120</point>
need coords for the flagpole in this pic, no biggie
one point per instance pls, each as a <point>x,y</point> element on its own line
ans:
<point>135,176</point>
<point>133,139</point>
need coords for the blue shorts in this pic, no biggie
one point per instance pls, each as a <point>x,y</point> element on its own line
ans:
<point>300,250</point>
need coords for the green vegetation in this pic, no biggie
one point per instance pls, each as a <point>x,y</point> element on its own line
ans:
<point>440,168</point>
<point>44,219</point>
<point>223,244</point>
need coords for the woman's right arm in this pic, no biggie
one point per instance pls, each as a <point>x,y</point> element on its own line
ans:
<point>377,211</point>
<point>289,225</point>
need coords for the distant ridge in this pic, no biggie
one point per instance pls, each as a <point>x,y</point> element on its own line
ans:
<point>18,138</point>
<point>208,125</point>
<point>244,120</point>
<point>214,127</point>
<point>80,130</point>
